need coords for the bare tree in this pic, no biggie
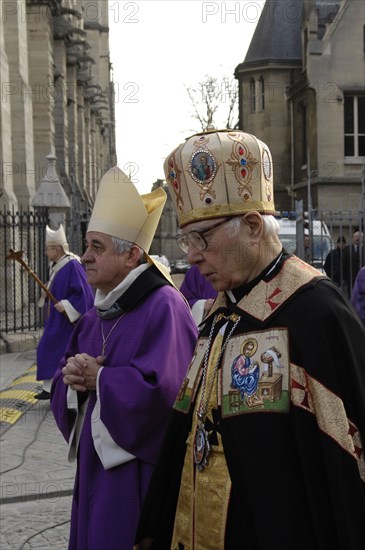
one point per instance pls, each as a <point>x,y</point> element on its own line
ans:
<point>215,102</point>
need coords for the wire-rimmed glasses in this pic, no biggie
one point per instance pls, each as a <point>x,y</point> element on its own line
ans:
<point>196,238</point>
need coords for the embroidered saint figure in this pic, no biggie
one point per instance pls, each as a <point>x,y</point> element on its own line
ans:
<point>246,373</point>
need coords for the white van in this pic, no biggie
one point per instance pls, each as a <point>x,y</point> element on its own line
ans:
<point>321,238</point>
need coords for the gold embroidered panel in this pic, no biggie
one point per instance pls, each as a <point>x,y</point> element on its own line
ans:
<point>328,408</point>
<point>266,297</point>
<point>191,381</point>
<point>255,373</point>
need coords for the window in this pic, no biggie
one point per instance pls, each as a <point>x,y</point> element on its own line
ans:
<point>257,95</point>
<point>252,96</point>
<point>261,94</point>
<point>303,124</point>
<point>354,124</point>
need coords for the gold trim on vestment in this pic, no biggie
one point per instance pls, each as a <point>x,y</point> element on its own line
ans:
<point>202,508</point>
<point>267,296</point>
<point>329,410</point>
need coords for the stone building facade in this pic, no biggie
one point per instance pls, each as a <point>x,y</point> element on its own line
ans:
<point>302,91</point>
<point>57,125</point>
<point>57,99</point>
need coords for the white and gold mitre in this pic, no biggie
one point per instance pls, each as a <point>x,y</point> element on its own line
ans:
<point>120,211</point>
<point>57,237</point>
<point>220,173</point>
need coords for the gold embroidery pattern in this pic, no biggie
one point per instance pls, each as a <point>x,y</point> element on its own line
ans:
<point>267,170</point>
<point>191,381</point>
<point>242,163</point>
<point>328,408</point>
<point>195,524</point>
<point>266,297</point>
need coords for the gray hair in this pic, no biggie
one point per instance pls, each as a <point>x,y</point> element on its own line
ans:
<point>271,226</point>
<point>121,246</point>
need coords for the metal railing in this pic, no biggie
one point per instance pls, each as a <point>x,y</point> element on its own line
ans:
<point>25,231</point>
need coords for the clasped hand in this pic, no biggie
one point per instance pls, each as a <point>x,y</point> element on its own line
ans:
<point>80,372</point>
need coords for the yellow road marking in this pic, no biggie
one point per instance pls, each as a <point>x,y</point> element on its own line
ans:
<point>22,395</point>
<point>33,368</point>
<point>25,379</point>
<point>9,415</point>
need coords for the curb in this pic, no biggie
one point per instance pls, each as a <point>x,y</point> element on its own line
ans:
<point>14,343</point>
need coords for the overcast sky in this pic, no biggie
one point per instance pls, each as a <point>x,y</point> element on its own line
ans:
<point>158,49</point>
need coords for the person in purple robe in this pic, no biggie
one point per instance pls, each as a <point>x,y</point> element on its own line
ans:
<point>123,367</point>
<point>68,284</point>
<point>358,294</point>
<point>199,293</point>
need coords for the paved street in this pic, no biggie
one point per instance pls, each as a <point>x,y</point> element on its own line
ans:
<point>35,478</point>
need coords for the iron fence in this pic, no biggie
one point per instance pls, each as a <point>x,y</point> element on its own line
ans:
<point>22,231</point>
<point>343,224</point>
<point>25,231</point>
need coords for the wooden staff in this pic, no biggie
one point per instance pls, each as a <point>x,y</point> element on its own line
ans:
<point>17,256</point>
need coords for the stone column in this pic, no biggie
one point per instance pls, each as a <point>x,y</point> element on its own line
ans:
<point>73,123</point>
<point>7,196</point>
<point>40,47</point>
<point>60,107</point>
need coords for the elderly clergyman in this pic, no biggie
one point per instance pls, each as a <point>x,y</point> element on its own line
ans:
<point>265,447</point>
<point>123,367</point>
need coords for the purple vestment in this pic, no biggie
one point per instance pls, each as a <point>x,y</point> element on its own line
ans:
<point>147,355</point>
<point>69,283</point>
<point>196,287</point>
<point>197,290</point>
<point>358,294</point>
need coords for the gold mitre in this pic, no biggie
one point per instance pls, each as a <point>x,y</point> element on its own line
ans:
<point>220,173</point>
<point>57,237</point>
<point>120,211</point>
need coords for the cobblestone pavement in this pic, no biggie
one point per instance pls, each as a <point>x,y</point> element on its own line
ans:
<point>40,524</point>
<point>36,479</point>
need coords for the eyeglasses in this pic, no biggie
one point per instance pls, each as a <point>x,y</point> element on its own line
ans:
<point>196,238</point>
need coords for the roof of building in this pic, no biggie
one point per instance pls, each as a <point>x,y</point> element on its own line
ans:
<point>278,33</point>
<point>278,36</point>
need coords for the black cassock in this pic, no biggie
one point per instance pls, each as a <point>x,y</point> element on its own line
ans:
<point>295,456</point>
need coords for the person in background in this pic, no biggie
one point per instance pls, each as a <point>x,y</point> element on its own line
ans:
<point>333,261</point>
<point>199,293</point>
<point>307,249</point>
<point>67,283</point>
<point>306,255</point>
<point>122,368</point>
<point>351,261</point>
<point>265,445</point>
<point>358,294</point>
